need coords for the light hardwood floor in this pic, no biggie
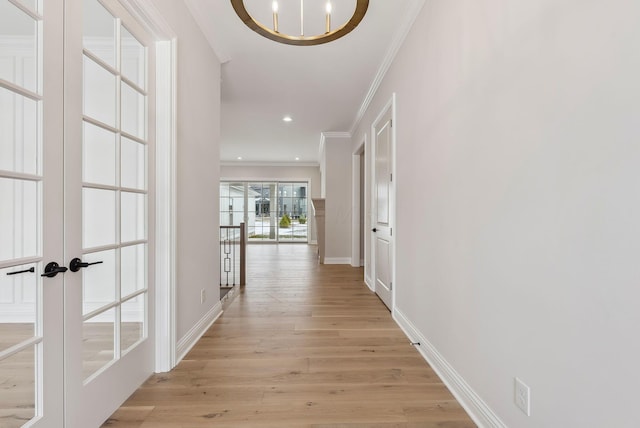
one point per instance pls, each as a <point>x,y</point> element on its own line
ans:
<point>301,345</point>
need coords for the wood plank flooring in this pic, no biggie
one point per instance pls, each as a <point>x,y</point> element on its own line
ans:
<point>301,345</point>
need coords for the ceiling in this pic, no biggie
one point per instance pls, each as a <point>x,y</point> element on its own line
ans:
<point>321,87</point>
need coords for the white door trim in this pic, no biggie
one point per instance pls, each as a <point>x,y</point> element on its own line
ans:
<point>165,298</point>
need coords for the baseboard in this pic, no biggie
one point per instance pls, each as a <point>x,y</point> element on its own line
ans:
<point>369,283</point>
<point>191,338</point>
<point>337,260</point>
<point>478,410</point>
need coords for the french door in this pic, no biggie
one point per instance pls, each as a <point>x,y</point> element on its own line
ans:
<point>31,214</point>
<point>75,190</point>
<point>109,156</point>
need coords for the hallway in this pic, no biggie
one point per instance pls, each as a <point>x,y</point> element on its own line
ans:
<point>301,345</point>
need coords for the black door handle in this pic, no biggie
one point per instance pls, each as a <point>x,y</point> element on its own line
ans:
<point>76,264</point>
<point>52,269</point>
<point>374,230</point>
<point>31,269</point>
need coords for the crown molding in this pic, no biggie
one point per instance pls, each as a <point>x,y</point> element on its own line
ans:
<point>323,139</point>
<point>148,15</point>
<point>413,9</point>
<point>326,135</point>
<point>280,164</point>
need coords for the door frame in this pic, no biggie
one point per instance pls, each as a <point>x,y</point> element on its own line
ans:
<point>390,106</point>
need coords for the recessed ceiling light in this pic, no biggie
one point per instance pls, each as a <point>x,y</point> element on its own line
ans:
<point>287,119</point>
<point>297,158</point>
<point>239,158</point>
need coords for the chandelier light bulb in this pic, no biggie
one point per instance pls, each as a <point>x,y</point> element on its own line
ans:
<point>274,7</point>
<point>327,29</point>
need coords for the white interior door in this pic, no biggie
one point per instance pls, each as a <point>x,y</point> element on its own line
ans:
<point>31,214</point>
<point>74,189</point>
<point>109,123</point>
<point>382,231</point>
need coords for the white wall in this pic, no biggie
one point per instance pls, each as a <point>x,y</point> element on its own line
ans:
<point>264,173</point>
<point>338,205</point>
<point>518,201</point>
<point>198,122</point>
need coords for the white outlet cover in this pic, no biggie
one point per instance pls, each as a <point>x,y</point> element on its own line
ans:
<point>522,396</point>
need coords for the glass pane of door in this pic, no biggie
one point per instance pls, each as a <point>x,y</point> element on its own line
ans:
<point>18,300</point>
<point>100,93</point>
<point>299,213</point>
<point>132,326</point>
<point>18,56</point>
<point>134,59</point>
<point>292,212</point>
<point>231,204</point>
<point>99,32</point>
<point>18,392</point>
<point>18,128</point>
<point>19,218</point>
<point>261,209</point>
<point>98,340</point>
<point>99,155</point>
<point>98,283</point>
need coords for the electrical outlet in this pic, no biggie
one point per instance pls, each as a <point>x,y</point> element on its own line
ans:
<point>203,295</point>
<point>522,396</point>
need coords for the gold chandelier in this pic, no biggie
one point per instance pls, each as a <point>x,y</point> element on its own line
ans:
<point>301,39</point>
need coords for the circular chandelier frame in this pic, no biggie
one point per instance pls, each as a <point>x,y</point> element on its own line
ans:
<point>249,21</point>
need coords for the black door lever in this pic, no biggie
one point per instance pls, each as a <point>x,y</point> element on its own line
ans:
<point>52,269</point>
<point>31,269</point>
<point>77,264</point>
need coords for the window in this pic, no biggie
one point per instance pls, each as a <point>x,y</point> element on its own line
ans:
<point>273,211</point>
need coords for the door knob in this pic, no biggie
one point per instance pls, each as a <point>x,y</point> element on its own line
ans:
<point>374,230</point>
<point>77,264</point>
<point>52,269</point>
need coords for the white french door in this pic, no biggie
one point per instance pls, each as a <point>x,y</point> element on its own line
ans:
<point>76,231</point>
<point>108,224</point>
<point>31,213</point>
